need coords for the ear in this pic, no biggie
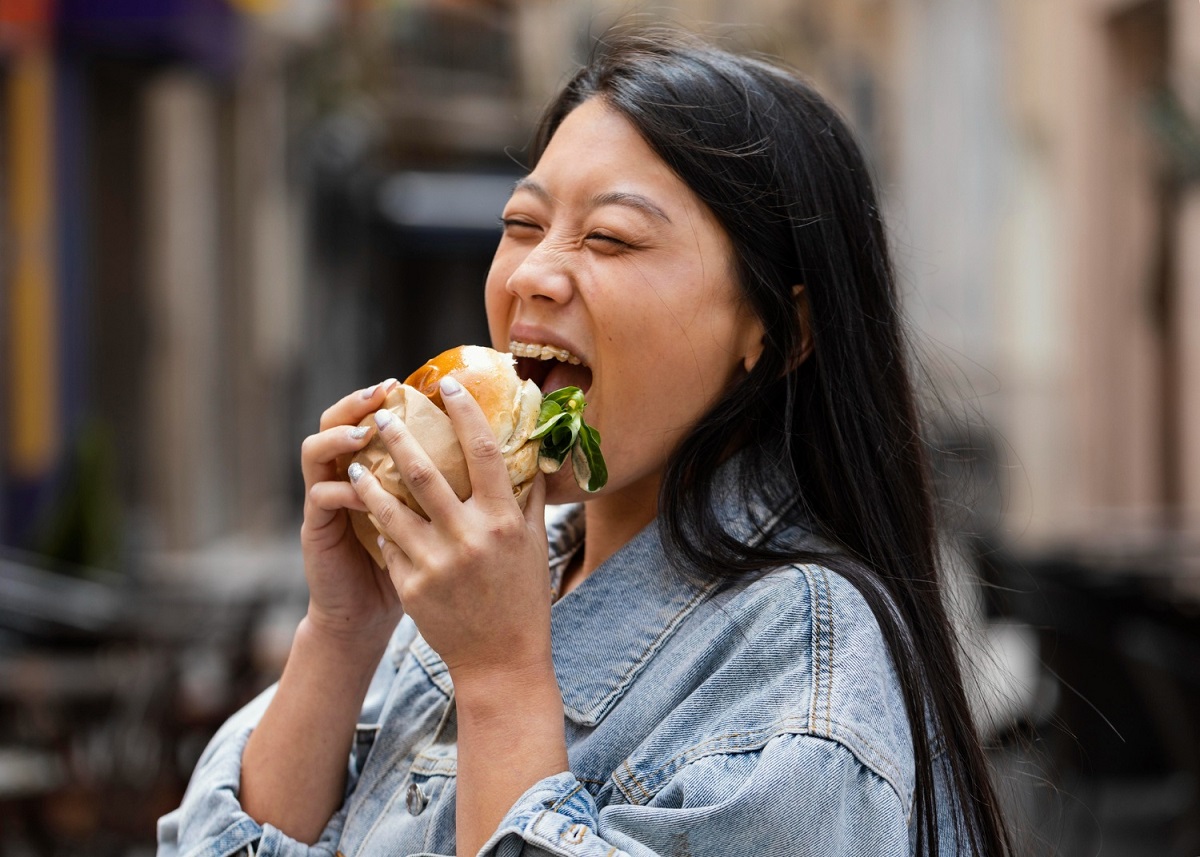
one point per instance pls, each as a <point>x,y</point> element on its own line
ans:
<point>755,349</point>
<point>804,318</point>
<point>753,343</point>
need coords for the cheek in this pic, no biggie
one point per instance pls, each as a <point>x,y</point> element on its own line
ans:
<point>643,413</point>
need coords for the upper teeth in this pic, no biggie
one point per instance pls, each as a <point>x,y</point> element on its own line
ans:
<point>543,352</point>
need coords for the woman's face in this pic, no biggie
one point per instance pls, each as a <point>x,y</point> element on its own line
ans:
<point>608,258</point>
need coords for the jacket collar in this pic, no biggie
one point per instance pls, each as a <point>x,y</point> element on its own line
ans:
<point>606,630</point>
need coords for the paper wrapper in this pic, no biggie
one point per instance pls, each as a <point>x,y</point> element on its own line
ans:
<point>431,428</point>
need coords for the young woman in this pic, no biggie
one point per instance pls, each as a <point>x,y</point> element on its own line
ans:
<point>738,646</point>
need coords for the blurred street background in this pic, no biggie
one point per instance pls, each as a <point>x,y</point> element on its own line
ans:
<point>219,216</point>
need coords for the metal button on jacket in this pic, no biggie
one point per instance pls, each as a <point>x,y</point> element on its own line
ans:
<point>415,799</point>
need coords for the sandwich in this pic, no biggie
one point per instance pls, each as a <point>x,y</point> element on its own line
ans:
<point>535,432</point>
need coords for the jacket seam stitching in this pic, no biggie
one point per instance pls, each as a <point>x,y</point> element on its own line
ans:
<point>828,605</point>
<point>715,746</point>
<point>876,761</point>
<point>239,828</point>
<point>629,798</point>
<point>815,624</point>
<point>881,764</point>
<point>432,664</point>
<point>562,801</point>
<point>633,778</point>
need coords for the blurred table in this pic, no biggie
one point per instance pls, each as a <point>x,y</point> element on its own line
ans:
<point>1117,610</point>
<point>111,685</point>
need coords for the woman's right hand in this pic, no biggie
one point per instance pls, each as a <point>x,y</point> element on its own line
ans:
<point>350,598</point>
<point>287,779</point>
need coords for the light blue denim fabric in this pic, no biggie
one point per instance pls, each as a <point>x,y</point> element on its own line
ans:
<point>764,719</point>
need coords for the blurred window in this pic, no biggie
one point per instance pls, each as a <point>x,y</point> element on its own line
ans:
<point>469,46</point>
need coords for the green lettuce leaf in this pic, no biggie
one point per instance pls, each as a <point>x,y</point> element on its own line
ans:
<point>563,433</point>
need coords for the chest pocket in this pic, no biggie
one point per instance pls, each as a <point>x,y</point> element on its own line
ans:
<point>431,774</point>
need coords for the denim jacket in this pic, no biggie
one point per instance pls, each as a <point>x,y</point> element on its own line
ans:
<point>761,719</point>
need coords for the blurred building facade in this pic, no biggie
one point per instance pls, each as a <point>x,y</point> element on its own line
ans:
<point>199,208</point>
<point>150,298</point>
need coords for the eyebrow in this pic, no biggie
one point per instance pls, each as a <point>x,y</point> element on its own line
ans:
<point>612,197</point>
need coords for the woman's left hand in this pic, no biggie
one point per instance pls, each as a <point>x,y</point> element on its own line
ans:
<point>475,576</point>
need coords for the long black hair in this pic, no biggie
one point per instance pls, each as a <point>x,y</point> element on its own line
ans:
<point>829,408</point>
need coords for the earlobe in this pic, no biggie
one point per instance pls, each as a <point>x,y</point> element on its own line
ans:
<point>754,351</point>
<point>758,340</point>
<point>804,318</point>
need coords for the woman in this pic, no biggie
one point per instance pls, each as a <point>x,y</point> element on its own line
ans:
<point>748,643</point>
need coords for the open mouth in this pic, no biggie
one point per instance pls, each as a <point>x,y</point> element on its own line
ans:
<point>549,367</point>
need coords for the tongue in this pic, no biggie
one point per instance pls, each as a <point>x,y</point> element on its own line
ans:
<point>567,375</point>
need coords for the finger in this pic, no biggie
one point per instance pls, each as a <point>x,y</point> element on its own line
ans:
<point>398,522</point>
<point>414,467</point>
<point>324,501</point>
<point>535,506</point>
<point>351,409</point>
<point>491,485</point>
<point>321,515</point>
<point>319,452</point>
<point>396,563</point>
<point>395,560</point>
<point>331,496</point>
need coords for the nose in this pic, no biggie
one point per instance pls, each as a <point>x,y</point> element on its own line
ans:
<point>544,274</point>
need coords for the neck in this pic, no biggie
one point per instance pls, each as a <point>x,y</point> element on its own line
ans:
<point>611,520</point>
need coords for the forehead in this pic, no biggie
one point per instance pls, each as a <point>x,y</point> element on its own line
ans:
<point>596,144</point>
<point>598,157</point>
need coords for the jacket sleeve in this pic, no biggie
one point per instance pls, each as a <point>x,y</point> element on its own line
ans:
<point>210,821</point>
<point>798,795</point>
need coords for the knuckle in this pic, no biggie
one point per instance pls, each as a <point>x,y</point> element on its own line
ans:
<point>386,514</point>
<point>483,446</point>
<point>434,566</point>
<point>502,529</point>
<point>419,474</point>
<point>472,549</point>
<point>308,446</point>
<point>410,588</point>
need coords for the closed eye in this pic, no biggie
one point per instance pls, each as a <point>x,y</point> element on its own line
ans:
<point>508,223</point>
<point>608,239</point>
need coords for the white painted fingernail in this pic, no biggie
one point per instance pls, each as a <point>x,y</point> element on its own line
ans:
<point>369,392</point>
<point>383,417</point>
<point>359,432</point>
<point>450,386</point>
<point>355,471</point>
<point>381,541</point>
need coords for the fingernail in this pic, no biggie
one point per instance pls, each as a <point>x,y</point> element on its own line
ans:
<point>355,471</point>
<point>450,386</point>
<point>383,417</point>
<point>384,385</point>
<point>359,432</point>
<point>381,541</point>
